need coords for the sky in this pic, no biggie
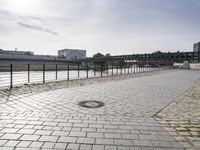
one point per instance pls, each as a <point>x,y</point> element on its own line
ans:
<point>106,26</point>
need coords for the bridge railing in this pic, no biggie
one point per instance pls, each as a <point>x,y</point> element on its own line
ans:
<point>20,73</point>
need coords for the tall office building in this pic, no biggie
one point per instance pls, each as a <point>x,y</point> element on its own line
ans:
<point>196,47</point>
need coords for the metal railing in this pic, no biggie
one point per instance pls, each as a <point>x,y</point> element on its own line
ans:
<point>19,74</point>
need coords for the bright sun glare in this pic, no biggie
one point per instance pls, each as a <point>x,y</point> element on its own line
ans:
<point>22,6</point>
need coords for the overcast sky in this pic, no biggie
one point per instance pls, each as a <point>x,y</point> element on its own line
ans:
<point>106,26</point>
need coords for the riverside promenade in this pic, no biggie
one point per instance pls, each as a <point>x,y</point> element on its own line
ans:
<point>50,116</point>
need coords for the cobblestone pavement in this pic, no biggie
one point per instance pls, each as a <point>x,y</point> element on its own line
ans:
<point>182,118</point>
<point>53,120</point>
<point>30,89</point>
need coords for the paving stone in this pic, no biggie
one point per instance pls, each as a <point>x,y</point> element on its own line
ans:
<point>85,140</point>
<point>73,146</point>
<point>11,136</point>
<point>67,139</point>
<point>85,147</point>
<point>26,131</point>
<point>48,138</point>
<point>24,144</point>
<point>98,147</point>
<point>48,145</point>
<point>60,146</point>
<point>30,137</point>
<point>11,143</point>
<point>36,144</point>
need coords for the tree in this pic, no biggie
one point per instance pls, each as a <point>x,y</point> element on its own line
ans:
<point>99,63</point>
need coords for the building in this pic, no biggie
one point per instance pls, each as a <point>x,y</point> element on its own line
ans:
<point>72,54</point>
<point>196,47</point>
<point>15,54</point>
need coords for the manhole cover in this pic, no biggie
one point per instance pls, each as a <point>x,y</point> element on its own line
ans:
<point>91,104</point>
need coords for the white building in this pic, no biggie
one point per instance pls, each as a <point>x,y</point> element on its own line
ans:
<point>72,54</point>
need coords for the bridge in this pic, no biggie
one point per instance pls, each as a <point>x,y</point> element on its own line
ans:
<point>151,58</point>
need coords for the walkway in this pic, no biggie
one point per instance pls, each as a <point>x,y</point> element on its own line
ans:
<point>53,120</point>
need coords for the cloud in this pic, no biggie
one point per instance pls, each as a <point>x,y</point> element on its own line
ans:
<point>38,28</point>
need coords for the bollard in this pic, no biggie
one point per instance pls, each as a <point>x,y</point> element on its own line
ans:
<point>116,69</point>
<point>28,73</point>
<point>121,69</point>
<point>134,69</point>
<point>11,76</point>
<point>43,73</point>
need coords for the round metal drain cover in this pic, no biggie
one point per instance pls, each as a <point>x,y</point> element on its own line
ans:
<point>91,104</point>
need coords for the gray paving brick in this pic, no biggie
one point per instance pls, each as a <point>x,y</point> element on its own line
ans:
<point>73,146</point>
<point>78,134</point>
<point>45,138</point>
<point>9,130</point>
<point>123,142</point>
<point>9,136</point>
<point>85,140</point>
<point>98,147</point>
<point>43,132</point>
<point>104,141</point>
<point>85,147</point>
<point>95,135</point>
<point>110,147</point>
<point>30,137</point>
<point>26,131</point>
<point>60,146</point>
<point>24,144</point>
<point>2,142</point>
<point>48,145</point>
<point>67,139</point>
<point>112,135</point>
<point>11,143</point>
<point>130,136</point>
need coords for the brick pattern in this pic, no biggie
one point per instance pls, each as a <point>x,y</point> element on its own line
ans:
<point>53,120</point>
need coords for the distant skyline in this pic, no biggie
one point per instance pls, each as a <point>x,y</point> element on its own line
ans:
<point>106,26</point>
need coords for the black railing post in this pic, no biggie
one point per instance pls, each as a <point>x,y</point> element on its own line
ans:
<point>107,68</point>
<point>128,69</point>
<point>68,72</point>
<point>43,73</point>
<point>78,71</point>
<point>112,69</point>
<point>131,68</point>
<point>94,70</point>
<point>101,71</point>
<point>28,73</point>
<point>11,76</point>
<point>124,69</point>
<point>87,70</point>
<point>56,71</point>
